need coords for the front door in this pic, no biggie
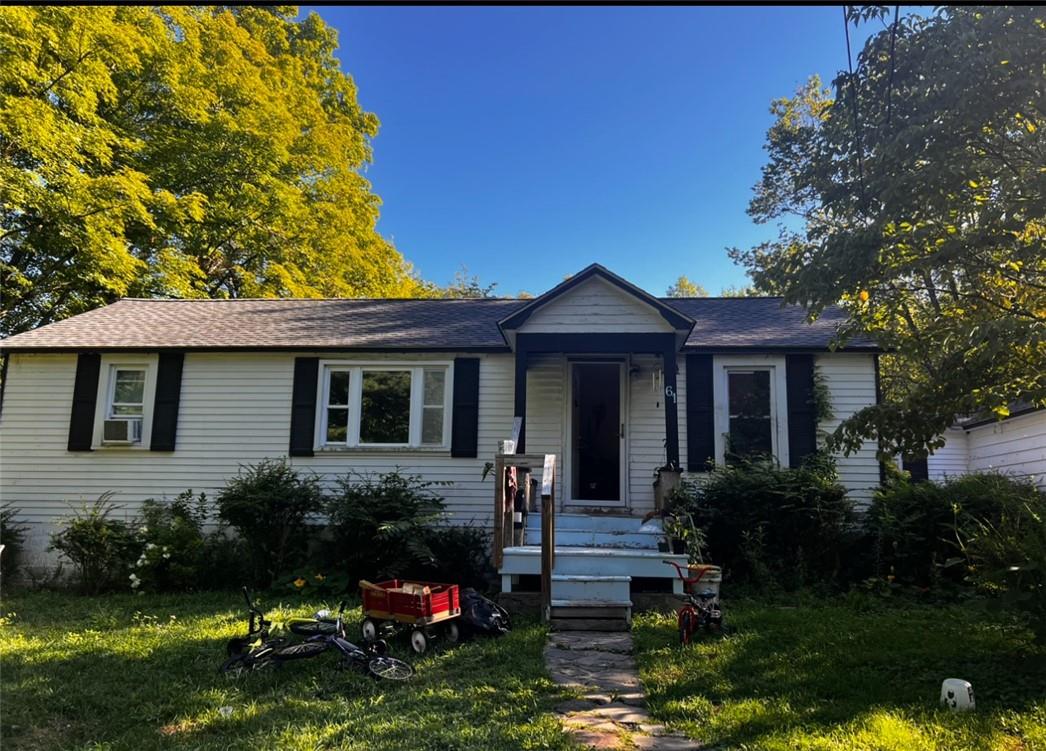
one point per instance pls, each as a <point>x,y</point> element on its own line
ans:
<point>597,433</point>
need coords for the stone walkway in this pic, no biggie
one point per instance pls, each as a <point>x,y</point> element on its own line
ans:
<point>611,714</point>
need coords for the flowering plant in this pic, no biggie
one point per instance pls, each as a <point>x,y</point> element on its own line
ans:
<point>171,542</point>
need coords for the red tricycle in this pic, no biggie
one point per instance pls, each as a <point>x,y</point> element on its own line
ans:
<point>702,607</point>
<point>427,608</point>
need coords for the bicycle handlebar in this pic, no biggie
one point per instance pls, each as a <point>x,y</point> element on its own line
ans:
<point>687,579</point>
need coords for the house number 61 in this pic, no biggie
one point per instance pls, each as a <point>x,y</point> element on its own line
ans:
<point>670,393</point>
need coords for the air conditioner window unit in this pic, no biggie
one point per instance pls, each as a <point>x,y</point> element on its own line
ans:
<point>122,430</point>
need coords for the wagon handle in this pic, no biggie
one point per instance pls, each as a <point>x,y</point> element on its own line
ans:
<point>364,584</point>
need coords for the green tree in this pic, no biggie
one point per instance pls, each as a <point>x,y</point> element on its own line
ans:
<point>920,190</point>
<point>185,151</point>
<point>746,291</point>
<point>683,287</point>
<point>467,285</point>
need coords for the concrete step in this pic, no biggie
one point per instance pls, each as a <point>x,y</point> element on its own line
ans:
<point>588,538</point>
<point>588,561</point>
<point>594,522</point>
<point>569,587</point>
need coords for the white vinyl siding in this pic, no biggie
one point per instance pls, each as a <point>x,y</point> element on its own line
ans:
<point>595,306</point>
<point>234,410</point>
<point>1015,446</point>
<point>850,378</point>
<point>952,458</point>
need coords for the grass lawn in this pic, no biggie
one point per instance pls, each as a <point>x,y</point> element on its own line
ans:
<point>829,675</point>
<point>125,672</point>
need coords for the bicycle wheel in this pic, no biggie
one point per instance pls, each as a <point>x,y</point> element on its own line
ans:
<point>686,627</point>
<point>312,627</point>
<point>390,668</point>
<point>300,651</point>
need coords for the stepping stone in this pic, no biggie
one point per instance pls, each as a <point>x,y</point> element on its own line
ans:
<point>589,739</point>
<point>664,743</point>
<point>575,705</point>
<point>592,640</point>
<point>621,713</point>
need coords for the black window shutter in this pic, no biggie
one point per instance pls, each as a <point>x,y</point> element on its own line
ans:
<point>85,396</point>
<point>700,414</point>
<point>303,405</point>
<point>165,405</point>
<point>918,467</point>
<point>464,432</point>
<point>802,412</point>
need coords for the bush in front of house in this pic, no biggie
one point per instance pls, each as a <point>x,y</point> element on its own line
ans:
<point>100,548</point>
<point>380,524</point>
<point>916,528</point>
<point>770,526</point>
<point>12,537</point>
<point>269,505</point>
<point>460,555</point>
<point>1007,555</point>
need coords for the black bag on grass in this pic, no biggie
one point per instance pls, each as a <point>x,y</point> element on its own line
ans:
<point>482,616</point>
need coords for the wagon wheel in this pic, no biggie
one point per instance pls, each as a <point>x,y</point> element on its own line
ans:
<point>369,629</point>
<point>419,641</point>
<point>451,632</point>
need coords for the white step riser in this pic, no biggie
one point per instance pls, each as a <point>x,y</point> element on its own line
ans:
<point>608,591</point>
<point>589,538</point>
<point>620,563</point>
<point>593,522</point>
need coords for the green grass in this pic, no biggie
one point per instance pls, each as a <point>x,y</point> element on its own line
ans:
<point>124,672</point>
<point>836,676</point>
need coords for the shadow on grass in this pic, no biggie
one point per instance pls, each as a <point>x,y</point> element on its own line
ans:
<point>816,669</point>
<point>79,673</point>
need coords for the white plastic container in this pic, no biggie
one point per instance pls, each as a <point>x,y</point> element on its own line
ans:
<point>957,694</point>
<point>711,580</point>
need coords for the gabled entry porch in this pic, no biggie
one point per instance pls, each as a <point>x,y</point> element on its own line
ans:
<point>595,359</point>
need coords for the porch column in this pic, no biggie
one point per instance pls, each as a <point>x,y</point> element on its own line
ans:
<point>668,359</point>
<point>521,395</point>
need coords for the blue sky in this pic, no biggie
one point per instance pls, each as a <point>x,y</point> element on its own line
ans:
<point>525,143</point>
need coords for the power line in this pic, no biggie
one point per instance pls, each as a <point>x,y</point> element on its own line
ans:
<point>853,100</point>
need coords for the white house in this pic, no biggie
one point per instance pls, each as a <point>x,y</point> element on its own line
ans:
<point>1014,445</point>
<point>146,398</point>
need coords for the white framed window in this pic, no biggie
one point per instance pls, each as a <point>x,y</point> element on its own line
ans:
<point>751,414</point>
<point>126,391</point>
<point>384,405</point>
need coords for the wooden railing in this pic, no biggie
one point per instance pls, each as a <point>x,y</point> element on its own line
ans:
<point>504,509</point>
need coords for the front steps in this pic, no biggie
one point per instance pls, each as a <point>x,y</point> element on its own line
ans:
<point>597,557</point>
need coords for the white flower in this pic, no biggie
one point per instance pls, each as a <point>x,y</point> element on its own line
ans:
<point>150,546</point>
<point>144,530</point>
<point>133,577</point>
<point>165,548</point>
<point>166,555</point>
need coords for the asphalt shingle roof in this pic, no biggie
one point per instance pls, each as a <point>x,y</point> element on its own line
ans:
<point>390,324</point>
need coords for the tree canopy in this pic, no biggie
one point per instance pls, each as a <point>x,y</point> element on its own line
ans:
<point>683,287</point>
<point>185,151</point>
<point>919,185</point>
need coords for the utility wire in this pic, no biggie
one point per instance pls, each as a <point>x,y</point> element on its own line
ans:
<point>893,40</point>
<point>853,100</point>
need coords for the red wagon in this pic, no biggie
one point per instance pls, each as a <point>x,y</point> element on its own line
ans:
<point>427,608</point>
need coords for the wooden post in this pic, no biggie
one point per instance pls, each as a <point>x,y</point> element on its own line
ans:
<point>548,534</point>
<point>499,501</point>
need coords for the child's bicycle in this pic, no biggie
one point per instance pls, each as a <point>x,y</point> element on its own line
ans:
<point>259,649</point>
<point>701,609</point>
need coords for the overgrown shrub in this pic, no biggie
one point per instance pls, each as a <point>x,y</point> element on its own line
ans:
<point>460,555</point>
<point>1008,555</point>
<point>771,526</point>
<point>916,528</point>
<point>12,537</point>
<point>380,524</point>
<point>100,548</point>
<point>269,505</point>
